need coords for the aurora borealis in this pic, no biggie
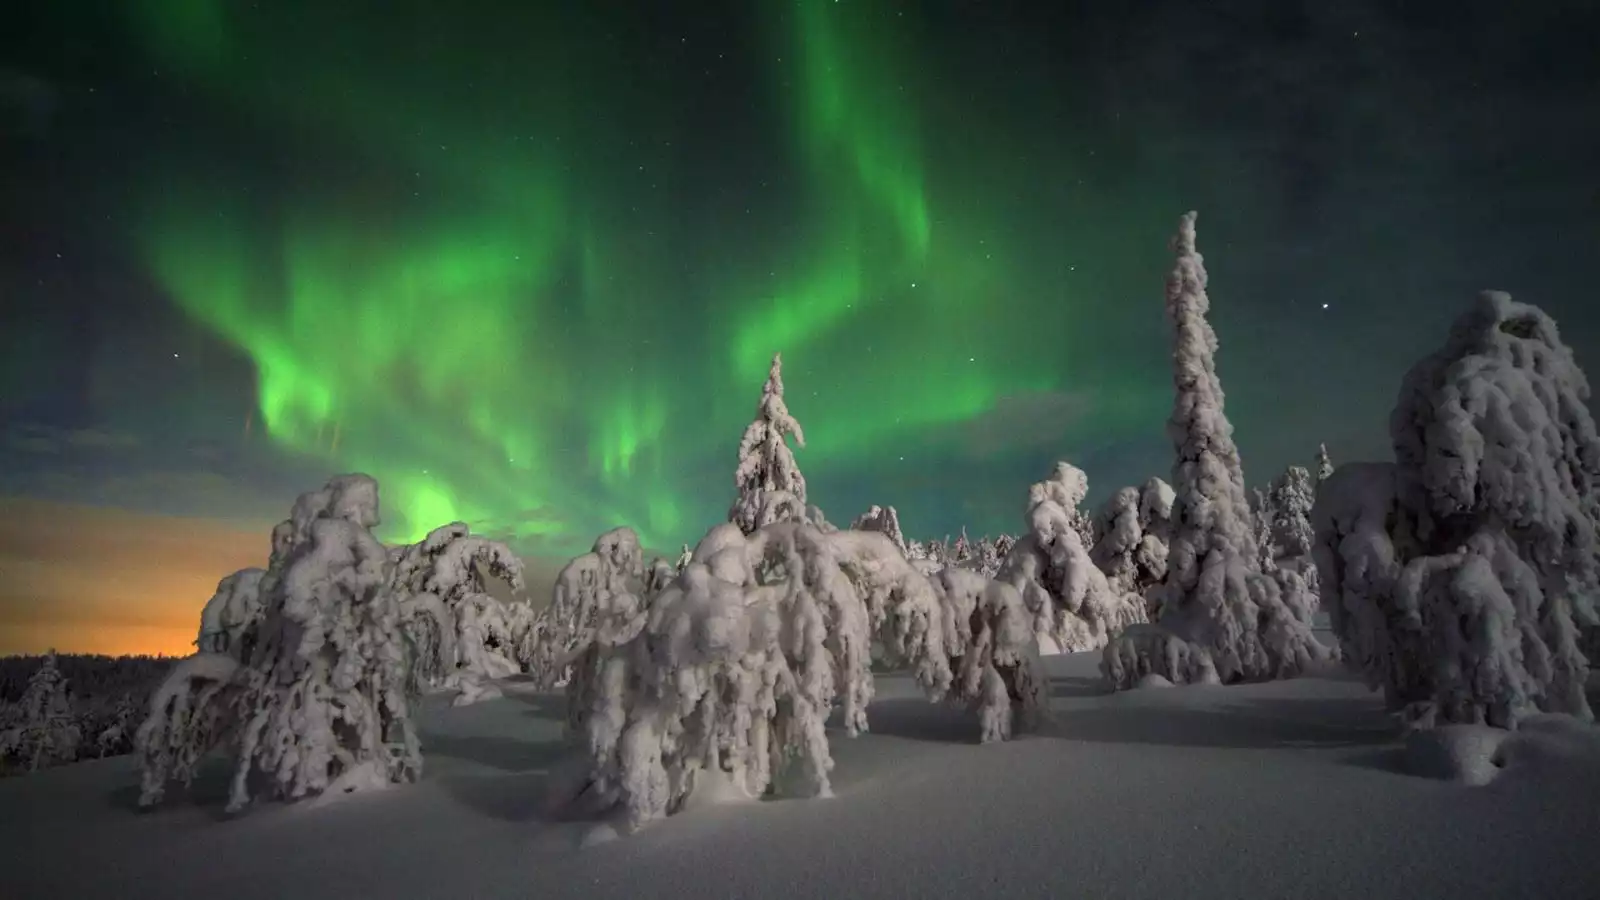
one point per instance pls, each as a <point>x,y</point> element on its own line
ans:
<point>526,264</point>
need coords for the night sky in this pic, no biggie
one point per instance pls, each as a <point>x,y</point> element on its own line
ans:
<point>527,263</point>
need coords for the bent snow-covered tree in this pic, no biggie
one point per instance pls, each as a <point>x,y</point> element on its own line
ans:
<point>1131,533</point>
<point>459,634</point>
<point>1460,577</point>
<point>229,619</point>
<point>1073,604</point>
<point>771,488</point>
<point>605,584</point>
<point>1215,596</point>
<point>320,705</point>
<point>994,653</point>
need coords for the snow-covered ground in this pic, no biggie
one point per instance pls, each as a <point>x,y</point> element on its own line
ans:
<point>1284,789</point>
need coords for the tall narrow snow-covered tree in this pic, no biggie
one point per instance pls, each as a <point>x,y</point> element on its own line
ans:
<point>1074,606</point>
<point>1215,595</point>
<point>771,488</point>
<point>1460,576</point>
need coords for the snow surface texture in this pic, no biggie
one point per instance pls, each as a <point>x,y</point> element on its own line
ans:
<point>1466,571</point>
<point>320,704</point>
<point>604,584</point>
<point>1198,793</point>
<point>458,634</point>
<point>1073,604</point>
<point>229,619</point>
<point>1131,534</point>
<point>771,488</point>
<point>1215,595</point>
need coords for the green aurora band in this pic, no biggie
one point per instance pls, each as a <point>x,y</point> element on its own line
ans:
<point>465,278</point>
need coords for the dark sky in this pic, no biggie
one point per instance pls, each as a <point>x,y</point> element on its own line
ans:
<point>526,263</point>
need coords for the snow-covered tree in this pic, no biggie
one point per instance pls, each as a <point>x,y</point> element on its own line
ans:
<point>882,519</point>
<point>196,709</point>
<point>48,733</point>
<point>684,558</point>
<point>458,633</point>
<point>1460,576</point>
<point>230,617</point>
<point>989,634</point>
<point>771,488</point>
<point>731,673</point>
<point>1073,604</point>
<point>1215,595</point>
<point>1131,532</point>
<point>1261,517</point>
<point>606,583</point>
<point>961,552</point>
<point>1291,497</point>
<point>320,705</point>
<point>1324,464</point>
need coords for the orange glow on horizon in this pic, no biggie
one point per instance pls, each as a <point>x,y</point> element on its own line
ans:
<point>86,579</point>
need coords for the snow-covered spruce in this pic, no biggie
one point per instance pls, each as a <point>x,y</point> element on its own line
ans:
<point>1291,497</point>
<point>883,519</point>
<point>1215,595</point>
<point>771,488</point>
<point>1460,577</point>
<point>1324,464</point>
<point>1073,605</point>
<point>733,669</point>
<point>229,619</point>
<point>605,583</point>
<point>994,653</point>
<point>1131,534</point>
<point>460,635</point>
<point>47,733</point>
<point>320,705</point>
<point>1261,516</point>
